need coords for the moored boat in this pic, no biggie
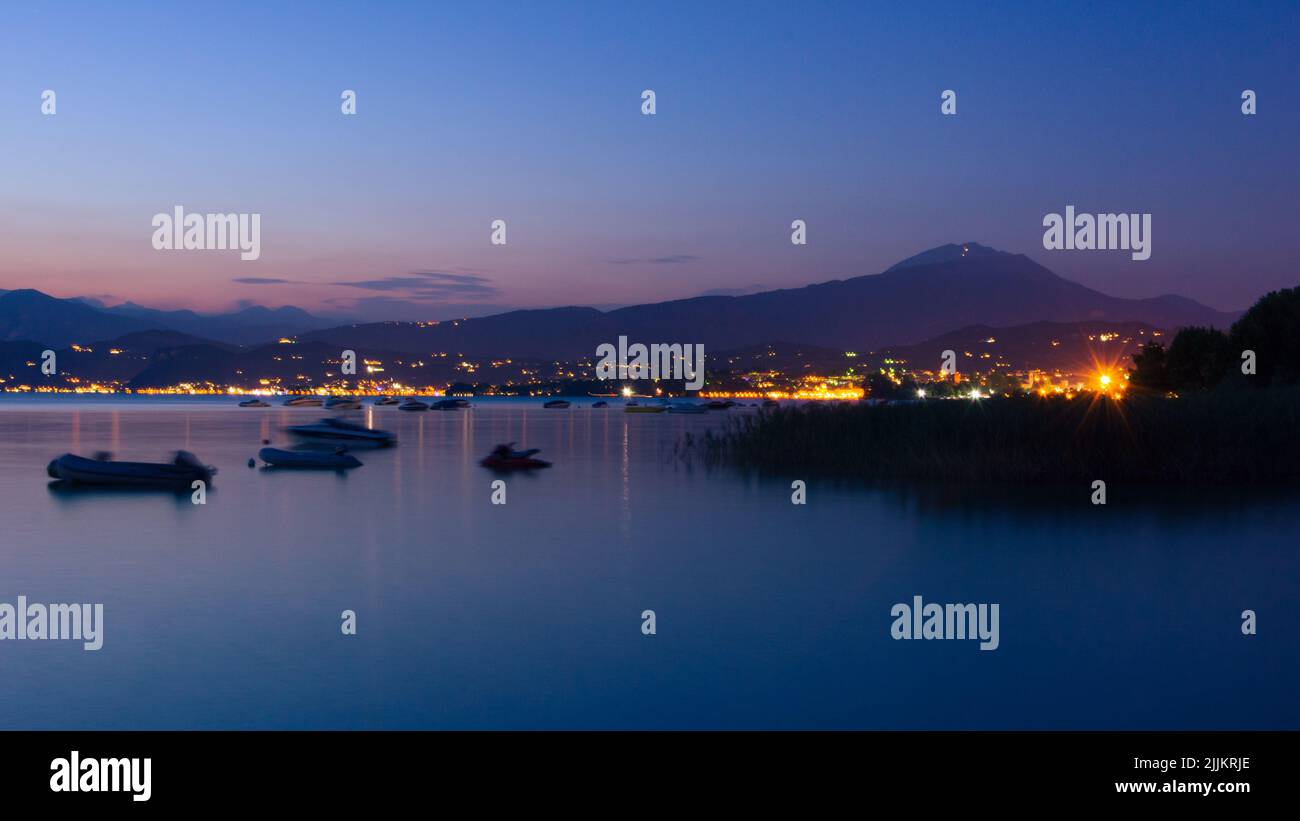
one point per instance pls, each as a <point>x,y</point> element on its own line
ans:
<point>387,400</point>
<point>601,404</point>
<point>503,457</point>
<point>449,404</point>
<point>687,407</point>
<point>342,403</point>
<point>254,403</point>
<point>304,402</point>
<point>413,405</point>
<point>557,403</point>
<point>309,459</point>
<point>180,473</point>
<point>337,431</point>
<point>631,408</point>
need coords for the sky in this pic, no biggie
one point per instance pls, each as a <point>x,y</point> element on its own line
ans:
<point>531,113</point>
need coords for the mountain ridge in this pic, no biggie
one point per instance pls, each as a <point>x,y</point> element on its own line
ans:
<point>921,297</point>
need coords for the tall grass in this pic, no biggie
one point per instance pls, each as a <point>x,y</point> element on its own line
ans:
<point>1246,436</point>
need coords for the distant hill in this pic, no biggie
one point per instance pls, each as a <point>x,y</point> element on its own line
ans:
<point>932,293</point>
<point>1068,347</point>
<point>32,316</point>
<point>919,298</point>
<point>28,314</point>
<point>247,326</point>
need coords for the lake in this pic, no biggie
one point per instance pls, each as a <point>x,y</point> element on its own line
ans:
<point>471,614</point>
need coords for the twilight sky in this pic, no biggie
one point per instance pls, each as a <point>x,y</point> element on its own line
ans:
<point>530,112</point>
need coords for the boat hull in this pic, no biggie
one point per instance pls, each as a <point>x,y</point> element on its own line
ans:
<point>79,470</point>
<point>308,460</point>
<point>512,463</point>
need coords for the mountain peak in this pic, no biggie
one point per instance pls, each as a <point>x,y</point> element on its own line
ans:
<point>946,253</point>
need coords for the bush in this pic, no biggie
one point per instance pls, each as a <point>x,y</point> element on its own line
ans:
<point>1225,436</point>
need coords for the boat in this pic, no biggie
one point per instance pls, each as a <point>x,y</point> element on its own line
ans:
<point>687,407</point>
<point>337,431</point>
<point>557,403</point>
<point>342,403</point>
<point>720,404</point>
<point>254,403</point>
<point>771,403</point>
<point>180,473</point>
<point>503,457</point>
<point>387,400</point>
<point>304,402</point>
<point>310,459</point>
<point>413,405</point>
<point>634,408</point>
<point>600,404</point>
<point>449,404</point>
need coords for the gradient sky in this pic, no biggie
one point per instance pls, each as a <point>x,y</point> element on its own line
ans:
<point>530,112</point>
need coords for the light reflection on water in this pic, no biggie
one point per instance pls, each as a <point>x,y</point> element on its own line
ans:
<point>528,614</point>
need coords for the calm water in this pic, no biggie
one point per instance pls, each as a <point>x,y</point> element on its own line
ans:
<point>528,614</point>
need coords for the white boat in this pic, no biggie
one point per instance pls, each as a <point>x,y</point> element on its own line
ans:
<point>336,431</point>
<point>304,402</point>
<point>387,400</point>
<point>342,403</point>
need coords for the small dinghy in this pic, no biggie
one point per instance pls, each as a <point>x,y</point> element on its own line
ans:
<point>556,403</point>
<point>503,457</point>
<point>304,402</point>
<point>180,473</point>
<point>387,400</point>
<point>413,405</point>
<point>308,459</point>
<point>449,404</point>
<point>337,431</point>
<point>254,403</point>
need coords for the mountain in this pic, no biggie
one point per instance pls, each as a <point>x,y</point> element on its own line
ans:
<point>919,298</point>
<point>932,293</point>
<point>557,333</point>
<point>1073,348</point>
<point>32,316</point>
<point>247,326</point>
